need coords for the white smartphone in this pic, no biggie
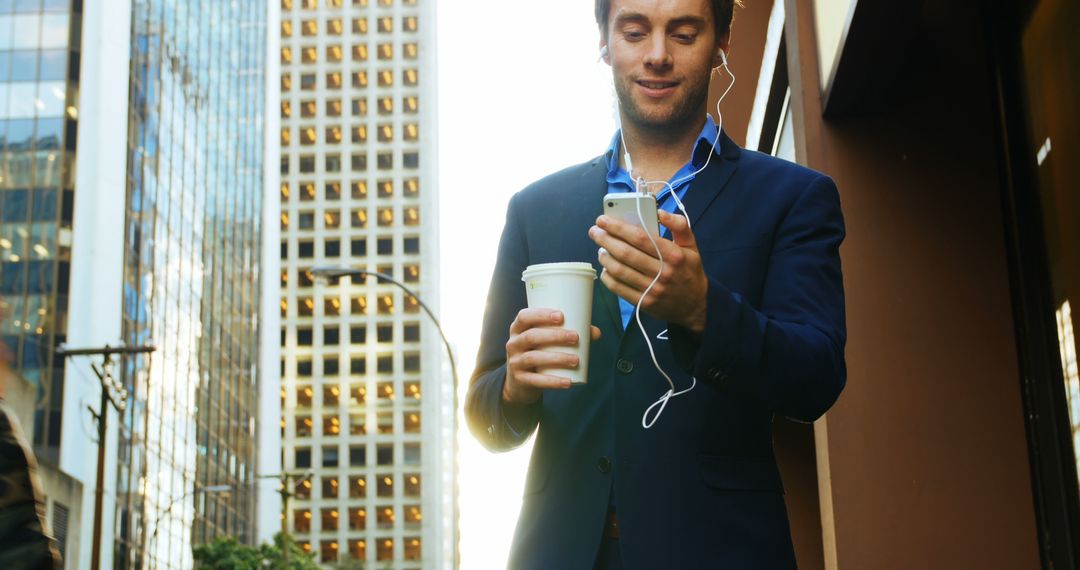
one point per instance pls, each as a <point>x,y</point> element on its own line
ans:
<point>624,206</point>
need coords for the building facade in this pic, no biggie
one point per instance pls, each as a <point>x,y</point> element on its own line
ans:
<point>368,407</point>
<point>951,131</point>
<point>192,269</point>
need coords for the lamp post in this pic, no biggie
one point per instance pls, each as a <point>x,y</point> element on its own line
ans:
<point>168,509</point>
<point>285,492</point>
<point>337,272</point>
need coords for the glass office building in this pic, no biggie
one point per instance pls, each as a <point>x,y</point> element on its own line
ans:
<point>191,268</point>
<point>367,406</point>
<point>39,72</point>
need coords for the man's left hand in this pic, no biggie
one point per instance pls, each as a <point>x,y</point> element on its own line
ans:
<point>630,263</point>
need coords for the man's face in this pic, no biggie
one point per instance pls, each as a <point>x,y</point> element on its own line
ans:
<point>662,53</point>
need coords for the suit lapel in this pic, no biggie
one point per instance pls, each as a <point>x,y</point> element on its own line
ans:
<point>707,185</point>
<point>593,188</point>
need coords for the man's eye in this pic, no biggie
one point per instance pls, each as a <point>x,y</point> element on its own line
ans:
<point>634,35</point>
<point>685,38</point>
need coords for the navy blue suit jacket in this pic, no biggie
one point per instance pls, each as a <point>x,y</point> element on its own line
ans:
<point>701,488</point>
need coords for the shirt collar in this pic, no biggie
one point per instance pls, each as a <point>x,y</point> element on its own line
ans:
<point>706,139</point>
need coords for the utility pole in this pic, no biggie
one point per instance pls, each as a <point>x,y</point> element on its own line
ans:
<point>286,493</point>
<point>112,392</point>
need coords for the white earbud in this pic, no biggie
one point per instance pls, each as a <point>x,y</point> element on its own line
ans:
<point>723,57</point>
<point>603,53</point>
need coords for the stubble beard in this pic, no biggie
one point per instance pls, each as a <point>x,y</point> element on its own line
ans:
<point>678,114</point>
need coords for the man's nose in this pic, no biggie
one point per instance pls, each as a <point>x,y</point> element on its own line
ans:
<point>658,54</point>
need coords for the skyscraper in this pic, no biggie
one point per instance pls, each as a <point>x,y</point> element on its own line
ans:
<point>367,406</point>
<point>151,237</point>
<point>192,233</point>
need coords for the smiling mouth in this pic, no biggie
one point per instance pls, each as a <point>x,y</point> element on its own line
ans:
<point>657,84</point>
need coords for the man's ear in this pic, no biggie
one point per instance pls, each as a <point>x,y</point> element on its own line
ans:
<point>604,54</point>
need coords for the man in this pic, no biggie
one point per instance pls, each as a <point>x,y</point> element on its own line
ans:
<point>748,312</point>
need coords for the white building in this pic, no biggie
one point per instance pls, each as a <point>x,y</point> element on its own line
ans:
<point>368,406</point>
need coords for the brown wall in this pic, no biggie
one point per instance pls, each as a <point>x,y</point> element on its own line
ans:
<point>747,44</point>
<point>926,448</point>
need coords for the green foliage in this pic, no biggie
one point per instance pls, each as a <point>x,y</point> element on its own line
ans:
<point>225,553</point>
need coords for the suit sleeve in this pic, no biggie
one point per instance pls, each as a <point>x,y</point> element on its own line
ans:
<point>789,352</point>
<point>500,427</point>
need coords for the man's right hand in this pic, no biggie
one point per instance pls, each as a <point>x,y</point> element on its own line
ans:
<point>525,354</point>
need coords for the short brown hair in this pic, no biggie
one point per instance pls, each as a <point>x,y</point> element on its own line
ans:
<point>723,12</point>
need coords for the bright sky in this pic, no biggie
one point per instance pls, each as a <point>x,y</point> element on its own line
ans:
<point>521,95</point>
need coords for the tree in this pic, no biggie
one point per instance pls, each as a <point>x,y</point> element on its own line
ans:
<point>225,553</point>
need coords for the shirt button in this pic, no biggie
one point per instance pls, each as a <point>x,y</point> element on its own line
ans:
<point>604,464</point>
<point>625,366</point>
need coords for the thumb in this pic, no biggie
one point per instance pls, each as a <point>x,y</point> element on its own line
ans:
<point>680,229</point>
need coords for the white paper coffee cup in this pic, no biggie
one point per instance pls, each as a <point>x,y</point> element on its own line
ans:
<point>567,287</point>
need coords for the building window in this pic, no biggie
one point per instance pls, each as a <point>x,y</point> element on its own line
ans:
<point>333,80</point>
<point>332,248</point>
<point>411,159</point>
<point>333,163</point>
<point>386,105</point>
<point>304,336</point>
<point>331,394</point>
<point>412,544</point>
<point>386,24</point>
<point>302,520</point>
<point>358,547</point>
<point>385,454</point>
<point>304,278</point>
<point>357,455</point>
<point>331,336</point>
<point>358,247</point>
<point>333,107</point>
<point>411,304</point>
<point>332,219</point>
<point>412,485</point>
<point>385,365</point>
<point>358,393</point>
<point>333,135</point>
<point>307,191</point>
<point>302,457</point>
<point>412,216</point>
<point>411,77</point>
<point>308,54</point>
<point>358,334</point>
<point>411,362</point>
<point>359,25</point>
<point>359,190</point>
<point>286,81</point>
<point>359,305</point>
<point>307,81</point>
<point>328,550</point>
<point>386,133</point>
<point>412,132</point>
<point>309,4</point>
<point>386,161</point>
<point>303,426</point>
<point>329,520</point>
<point>385,422</point>
<point>286,55</point>
<point>331,425</point>
<point>357,487</point>
<point>303,397</point>
<point>357,424</point>
<point>307,136</point>
<point>359,107</point>
<point>386,51</point>
<point>384,517</point>
<point>358,219</point>
<point>385,550</point>
<point>302,489</point>
<point>386,78</point>
<point>360,52</point>
<point>358,162</point>
<point>331,306</point>
<point>286,136</point>
<point>330,456</point>
<point>359,135</point>
<point>305,307</point>
<point>410,23</point>
<point>413,516</point>
<point>307,109</point>
<point>332,191</point>
<point>386,217</point>
<point>333,26</point>
<point>411,51</point>
<point>411,245</point>
<point>359,79</point>
<point>357,518</point>
<point>412,273</point>
<point>411,421</point>
<point>412,454</point>
<point>384,333</point>
<point>385,487</point>
<point>307,164</point>
<point>385,246</point>
<point>412,187</point>
<point>303,368</point>
<point>412,390</point>
<point>358,365</point>
<point>329,487</point>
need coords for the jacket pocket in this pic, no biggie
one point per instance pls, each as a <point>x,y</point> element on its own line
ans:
<point>740,473</point>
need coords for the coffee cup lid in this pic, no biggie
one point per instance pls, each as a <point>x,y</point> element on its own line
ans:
<point>564,268</point>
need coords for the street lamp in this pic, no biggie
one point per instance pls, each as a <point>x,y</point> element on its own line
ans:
<point>337,272</point>
<point>168,509</point>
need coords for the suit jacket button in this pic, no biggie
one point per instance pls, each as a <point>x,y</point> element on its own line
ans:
<point>604,464</point>
<point>625,366</point>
